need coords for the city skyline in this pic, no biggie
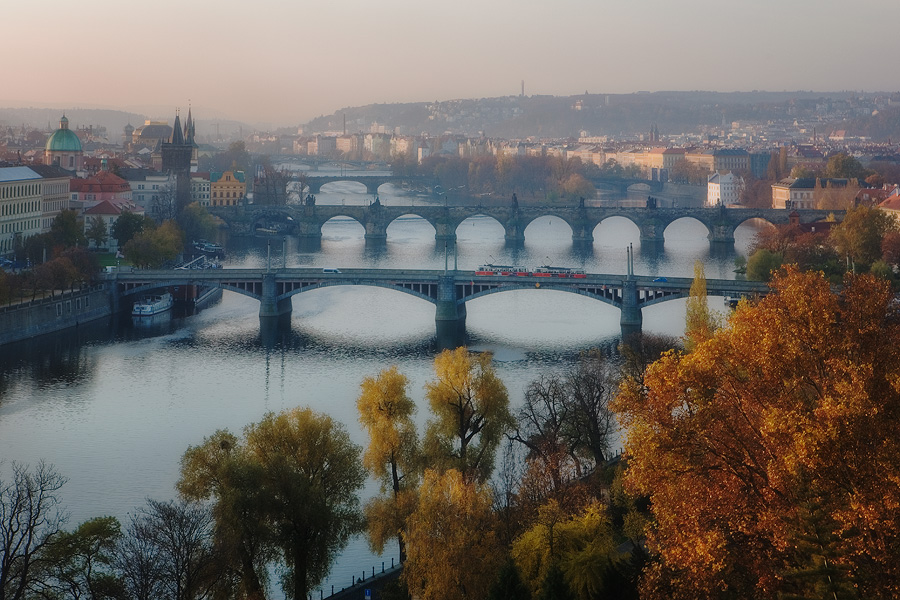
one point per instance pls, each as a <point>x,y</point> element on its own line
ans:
<point>284,63</point>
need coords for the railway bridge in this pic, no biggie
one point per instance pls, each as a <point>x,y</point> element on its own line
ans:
<point>448,290</point>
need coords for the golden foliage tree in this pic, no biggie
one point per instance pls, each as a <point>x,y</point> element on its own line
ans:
<point>700,322</point>
<point>581,545</point>
<point>386,411</point>
<point>470,413</point>
<point>793,405</point>
<point>453,552</point>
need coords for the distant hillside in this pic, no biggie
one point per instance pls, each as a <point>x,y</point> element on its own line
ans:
<point>559,117</point>
<point>880,127</point>
<point>42,118</point>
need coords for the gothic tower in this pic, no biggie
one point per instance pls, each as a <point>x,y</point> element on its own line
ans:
<point>176,158</point>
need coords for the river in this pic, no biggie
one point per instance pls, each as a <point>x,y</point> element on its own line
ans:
<point>114,406</point>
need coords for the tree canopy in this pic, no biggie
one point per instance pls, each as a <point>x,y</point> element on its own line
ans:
<point>470,413</point>
<point>393,454</point>
<point>289,486</point>
<point>770,452</point>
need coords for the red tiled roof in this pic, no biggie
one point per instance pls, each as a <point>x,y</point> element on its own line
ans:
<point>104,181</point>
<point>114,208</point>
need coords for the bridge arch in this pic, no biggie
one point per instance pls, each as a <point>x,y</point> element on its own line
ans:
<point>614,220</point>
<point>475,220</point>
<point>397,221</point>
<point>349,186</point>
<point>710,227</point>
<point>342,219</point>
<point>388,286</point>
<point>549,213</point>
<point>610,299</point>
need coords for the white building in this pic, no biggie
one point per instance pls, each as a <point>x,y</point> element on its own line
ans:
<point>21,206</point>
<point>723,189</point>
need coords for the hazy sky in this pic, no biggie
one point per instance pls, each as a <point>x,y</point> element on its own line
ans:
<point>287,61</point>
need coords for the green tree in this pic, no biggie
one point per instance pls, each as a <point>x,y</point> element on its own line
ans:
<point>859,236</point>
<point>97,232</point>
<point>130,224</point>
<point>81,562</point>
<point>509,584</point>
<point>66,230</point>
<point>580,545</point>
<point>470,413</point>
<point>762,264</point>
<point>221,469</point>
<point>844,166</point>
<point>392,456</point>
<point>311,472</point>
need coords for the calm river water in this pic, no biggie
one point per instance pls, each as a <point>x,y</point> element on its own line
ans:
<point>114,406</point>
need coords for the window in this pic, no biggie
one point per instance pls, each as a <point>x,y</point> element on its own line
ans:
<point>59,309</point>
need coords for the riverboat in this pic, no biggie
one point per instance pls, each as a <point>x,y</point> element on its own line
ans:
<point>152,305</point>
<point>209,249</point>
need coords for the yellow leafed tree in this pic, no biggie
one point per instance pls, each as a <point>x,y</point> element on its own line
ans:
<point>392,456</point>
<point>470,413</point>
<point>453,552</point>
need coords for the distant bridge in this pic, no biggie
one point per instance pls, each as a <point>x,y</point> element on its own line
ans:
<point>449,291</point>
<point>306,221</point>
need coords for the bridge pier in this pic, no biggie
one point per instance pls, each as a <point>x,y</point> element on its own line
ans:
<point>632,317</point>
<point>444,232</point>
<point>270,305</point>
<point>515,235</point>
<point>450,315</point>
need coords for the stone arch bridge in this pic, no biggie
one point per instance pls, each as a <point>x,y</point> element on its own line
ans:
<point>449,291</point>
<point>306,221</point>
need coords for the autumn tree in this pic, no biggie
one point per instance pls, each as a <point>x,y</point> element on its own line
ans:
<point>580,545</point>
<point>30,519</point>
<point>153,247</point>
<point>392,456</point>
<point>793,405</point>
<point>700,322</point>
<point>452,549</point>
<point>470,413</point>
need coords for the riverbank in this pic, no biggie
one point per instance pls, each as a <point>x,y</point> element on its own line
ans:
<point>54,313</point>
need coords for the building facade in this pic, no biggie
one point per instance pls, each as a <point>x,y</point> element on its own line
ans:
<point>724,190</point>
<point>227,189</point>
<point>21,203</point>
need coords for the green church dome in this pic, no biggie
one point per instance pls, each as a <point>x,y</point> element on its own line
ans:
<point>63,139</point>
